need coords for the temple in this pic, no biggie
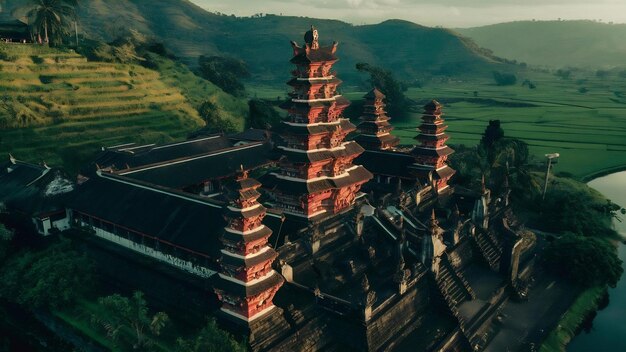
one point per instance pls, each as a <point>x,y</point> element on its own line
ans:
<point>375,129</point>
<point>247,283</point>
<point>432,153</point>
<point>330,246</point>
<point>316,176</point>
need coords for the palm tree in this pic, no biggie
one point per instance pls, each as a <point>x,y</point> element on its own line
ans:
<point>51,16</point>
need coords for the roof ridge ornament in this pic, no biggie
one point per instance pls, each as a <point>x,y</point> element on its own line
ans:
<point>311,38</point>
<point>12,159</point>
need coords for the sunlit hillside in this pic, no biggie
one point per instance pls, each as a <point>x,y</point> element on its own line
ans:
<point>59,108</point>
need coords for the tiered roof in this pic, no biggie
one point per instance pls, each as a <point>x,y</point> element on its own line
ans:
<point>247,283</point>
<point>431,153</point>
<point>316,166</point>
<point>375,129</point>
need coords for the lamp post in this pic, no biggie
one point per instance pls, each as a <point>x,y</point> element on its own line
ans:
<point>550,157</point>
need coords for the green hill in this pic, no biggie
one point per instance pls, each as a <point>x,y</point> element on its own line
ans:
<point>407,48</point>
<point>58,107</point>
<point>555,43</point>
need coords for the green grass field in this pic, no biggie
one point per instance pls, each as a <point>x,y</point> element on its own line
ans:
<point>58,108</point>
<point>587,129</point>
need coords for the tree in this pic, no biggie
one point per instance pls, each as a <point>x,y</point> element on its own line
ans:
<point>224,72</point>
<point>493,133</point>
<point>52,17</point>
<point>504,79</point>
<point>584,260</point>
<point>210,113</point>
<point>397,104</point>
<point>119,313</point>
<point>261,114</point>
<point>211,338</point>
<point>6,236</point>
<point>54,277</point>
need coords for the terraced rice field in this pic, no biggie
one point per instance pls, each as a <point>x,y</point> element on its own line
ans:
<point>587,129</point>
<point>59,108</point>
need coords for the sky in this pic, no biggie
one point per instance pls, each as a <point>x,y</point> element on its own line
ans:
<point>446,13</point>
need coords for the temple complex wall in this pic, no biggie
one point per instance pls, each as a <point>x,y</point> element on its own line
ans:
<point>149,251</point>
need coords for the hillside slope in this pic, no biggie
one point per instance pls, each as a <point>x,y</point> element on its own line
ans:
<point>409,49</point>
<point>555,43</point>
<point>60,108</point>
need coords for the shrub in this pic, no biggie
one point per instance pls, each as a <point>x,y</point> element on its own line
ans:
<point>504,79</point>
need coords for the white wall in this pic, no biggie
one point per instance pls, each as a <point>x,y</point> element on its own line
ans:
<point>150,252</point>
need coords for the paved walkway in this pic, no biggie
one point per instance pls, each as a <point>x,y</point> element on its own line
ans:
<point>527,323</point>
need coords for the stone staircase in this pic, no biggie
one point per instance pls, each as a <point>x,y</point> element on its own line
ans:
<point>455,290</point>
<point>490,248</point>
<point>453,286</point>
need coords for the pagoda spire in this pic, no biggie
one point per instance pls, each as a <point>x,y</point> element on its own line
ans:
<point>375,129</point>
<point>431,154</point>
<point>246,282</point>
<point>316,177</point>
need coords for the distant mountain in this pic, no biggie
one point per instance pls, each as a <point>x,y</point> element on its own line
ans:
<point>407,48</point>
<point>555,43</point>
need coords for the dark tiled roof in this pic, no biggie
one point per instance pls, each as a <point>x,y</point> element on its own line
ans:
<point>387,163</point>
<point>186,221</point>
<point>133,156</point>
<point>32,189</point>
<point>351,148</point>
<point>250,135</point>
<point>432,152</point>
<point>286,186</point>
<point>326,53</point>
<point>444,172</point>
<point>197,169</point>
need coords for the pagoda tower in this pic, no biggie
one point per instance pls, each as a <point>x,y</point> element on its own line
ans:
<point>316,177</point>
<point>375,129</point>
<point>431,154</point>
<point>246,282</point>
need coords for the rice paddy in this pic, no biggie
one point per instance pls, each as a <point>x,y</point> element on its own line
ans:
<point>58,108</point>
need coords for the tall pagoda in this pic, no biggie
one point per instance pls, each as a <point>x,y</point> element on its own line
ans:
<point>246,282</point>
<point>375,129</point>
<point>431,154</point>
<point>316,177</point>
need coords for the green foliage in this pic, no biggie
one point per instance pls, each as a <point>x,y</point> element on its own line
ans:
<point>573,207</point>
<point>210,113</point>
<point>51,19</point>
<point>224,72</point>
<point>504,79</point>
<point>211,338</point>
<point>602,74</point>
<point>6,236</point>
<point>563,73</point>
<point>397,104</point>
<point>261,115</point>
<point>584,260</point>
<point>493,133</point>
<point>54,277</point>
<point>121,313</point>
